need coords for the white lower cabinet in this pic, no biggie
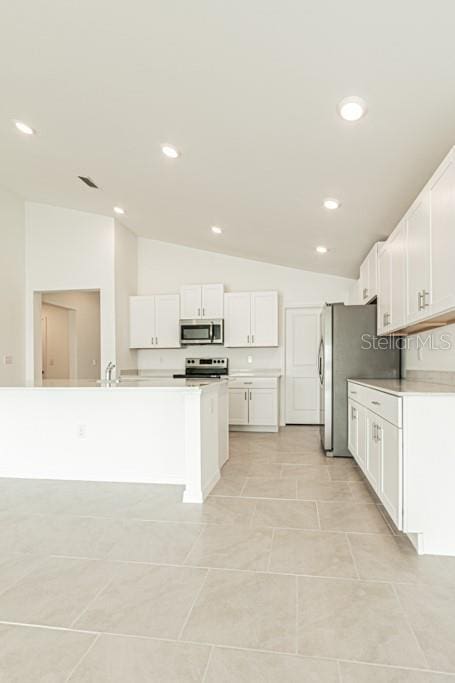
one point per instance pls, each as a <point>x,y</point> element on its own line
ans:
<point>253,404</point>
<point>376,445</point>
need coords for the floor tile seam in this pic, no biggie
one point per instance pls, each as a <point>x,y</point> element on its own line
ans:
<point>351,552</point>
<point>84,655</point>
<point>42,560</point>
<point>297,615</point>
<point>284,653</point>
<point>269,561</point>
<point>243,487</point>
<point>92,600</point>
<point>193,602</point>
<point>318,515</point>
<point>408,622</point>
<point>207,666</point>
<point>201,531</point>
<point>254,571</point>
<point>117,519</point>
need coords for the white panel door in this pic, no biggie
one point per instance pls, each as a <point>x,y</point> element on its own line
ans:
<point>190,302</point>
<point>263,407</point>
<point>264,318</point>
<point>396,246</point>
<point>238,406</point>
<point>237,320</point>
<point>442,206</point>
<point>391,485</point>
<point>167,321</point>
<point>212,301</point>
<point>418,246</point>
<point>142,322</point>
<point>302,380</point>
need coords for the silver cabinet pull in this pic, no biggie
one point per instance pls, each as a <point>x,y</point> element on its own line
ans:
<point>252,338</point>
<point>375,431</point>
<point>375,403</point>
<point>353,392</point>
<point>378,433</point>
<point>386,319</point>
<point>248,382</point>
<point>424,298</point>
<point>420,300</point>
<point>203,311</point>
<point>248,339</point>
<point>152,341</point>
<point>353,413</point>
<point>246,395</point>
<point>365,293</point>
<point>250,395</point>
<point>156,340</point>
<point>199,312</point>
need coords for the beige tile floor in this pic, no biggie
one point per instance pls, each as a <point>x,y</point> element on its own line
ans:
<point>289,572</point>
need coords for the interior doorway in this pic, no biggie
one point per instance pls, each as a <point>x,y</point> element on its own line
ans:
<point>70,345</point>
<point>303,335</point>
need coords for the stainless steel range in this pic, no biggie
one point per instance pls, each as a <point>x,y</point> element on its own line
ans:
<point>205,367</point>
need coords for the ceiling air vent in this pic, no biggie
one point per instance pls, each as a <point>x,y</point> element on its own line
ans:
<point>88,181</point>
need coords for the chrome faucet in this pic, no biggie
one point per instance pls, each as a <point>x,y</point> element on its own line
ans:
<point>108,372</point>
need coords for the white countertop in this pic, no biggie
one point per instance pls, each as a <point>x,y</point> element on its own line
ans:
<point>167,383</point>
<point>239,372</point>
<point>255,373</point>
<point>403,387</point>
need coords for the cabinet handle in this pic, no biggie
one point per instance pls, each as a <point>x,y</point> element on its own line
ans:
<point>248,382</point>
<point>250,395</point>
<point>365,293</point>
<point>252,338</point>
<point>353,411</point>
<point>378,433</point>
<point>424,298</point>
<point>420,300</point>
<point>246,395</point>
<point>375,427</point>
<point>386,319</point>
<point>248,338</point>
<point>375,403</point>
<point>152,341</point>
<point>203,311</point>
<point>156,340</point>
<point>353,392</point>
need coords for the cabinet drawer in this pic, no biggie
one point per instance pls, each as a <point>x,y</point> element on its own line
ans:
<point>252,383</point>
<point>384,405</point>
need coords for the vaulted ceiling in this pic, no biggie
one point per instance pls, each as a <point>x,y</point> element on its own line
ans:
<point>248,92</point>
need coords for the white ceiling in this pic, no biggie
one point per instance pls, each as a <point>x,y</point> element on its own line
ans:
<point>248,90</point>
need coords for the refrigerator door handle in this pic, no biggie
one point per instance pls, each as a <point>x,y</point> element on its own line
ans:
<point>320,363</point>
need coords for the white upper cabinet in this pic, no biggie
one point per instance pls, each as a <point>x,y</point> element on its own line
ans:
<point>154,321</point>
<point>201,301</point>
<point>369,275</point>
<point>442,212</point>
<point>392,281</point>
<point>264,319</point>
<point>251,319</point>
<point>418,259</point>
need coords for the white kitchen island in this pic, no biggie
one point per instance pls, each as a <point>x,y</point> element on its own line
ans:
<point>165,431</point>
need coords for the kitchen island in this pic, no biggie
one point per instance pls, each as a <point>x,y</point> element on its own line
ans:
<point>165,431</point>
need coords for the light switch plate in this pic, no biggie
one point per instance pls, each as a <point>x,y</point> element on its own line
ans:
<point>8,360</point>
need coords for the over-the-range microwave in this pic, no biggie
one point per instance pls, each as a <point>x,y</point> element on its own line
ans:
<point>201,332</point>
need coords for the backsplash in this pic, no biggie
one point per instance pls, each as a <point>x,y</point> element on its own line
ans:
<point>174,359</point>
<point>433,376</point>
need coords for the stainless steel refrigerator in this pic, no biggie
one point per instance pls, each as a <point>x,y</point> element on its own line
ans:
<point>349,348</point>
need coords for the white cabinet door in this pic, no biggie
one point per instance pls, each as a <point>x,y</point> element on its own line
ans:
<point>396,246</point>
<point>212,301</point>
<point>442,209</point>
<point>361,437</point>
<point>418,259</point>
<point>263,407</point>
<point>264,318</point>
<point>364,281</point>
<point>353,429</point>
<point>238,406</point>
<point>167,321</point>
<point>142,322</point>
<point>373,272</point>
<point>391,485</point>
<point>385,289</point>
<point>373,453</point>
<point>237,322</point>
<point>190,302</point>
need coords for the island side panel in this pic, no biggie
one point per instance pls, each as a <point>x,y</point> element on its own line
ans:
<point>95,434</point>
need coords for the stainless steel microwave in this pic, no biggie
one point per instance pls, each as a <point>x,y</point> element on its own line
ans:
<point>201,332</point>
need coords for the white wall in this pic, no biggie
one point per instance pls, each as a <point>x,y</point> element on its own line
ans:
<point>164,267</point>
<point>65,250</point>
<point>439,357</point>
<point>86,307</point>
<point>125,286</point>
<point>12,287</point>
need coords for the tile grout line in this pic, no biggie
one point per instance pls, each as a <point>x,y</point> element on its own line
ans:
<point>348,541</point>
<point>317,514</point>
<point>201,531</point>
<point>90,602</point>
<point>196,597</point>
<point>269,562</point>
<point>405,616</point>
<point>207,666</point>
<point>81,659</point>
<point>24,576</point>
<point>287,653</point>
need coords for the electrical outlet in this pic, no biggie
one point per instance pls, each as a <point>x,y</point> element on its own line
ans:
<point>7,360</point>
<point>249,359</point>
<point>82,431</point>
<point>94,363</point>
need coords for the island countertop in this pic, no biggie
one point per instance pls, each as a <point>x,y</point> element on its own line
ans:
<point>169,384</point>
<point>403,387</point>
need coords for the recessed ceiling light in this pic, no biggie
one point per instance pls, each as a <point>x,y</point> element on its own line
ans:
<point>352,108</point>
<point>331,203</point>
<point>119,210</point>
<point>321,250</point>
<point>216,230</point>
<point>24,128</point>
<point>170,151</point>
